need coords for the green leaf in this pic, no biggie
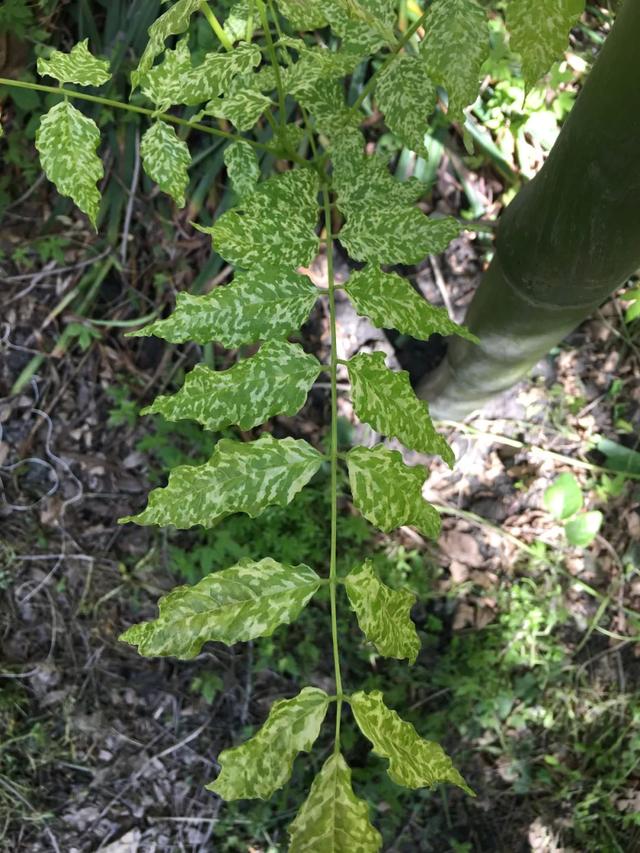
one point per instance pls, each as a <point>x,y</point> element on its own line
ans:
<point>618,457</point>
<point>173,22</point>
<point>406,95</point>
<point>315,65</point>
<point>243,169</point>
<point>383,614</point>
<point>564,497</point>
<point>332,819</point>
<point>166,160</point>
<point>389,493</point>
<point>386,401</point>
<point>67,142</point>
<point>239,477</point>
<point>303,15</point>
<point>276,381</point>
<point>235,25</point>
<point>583,529</point>
<point>247,601</point>
<point>274,226</point>
<point>79,66</point>
<point>242,108</point>
<point>455,45</point>
<point>263,764</point>
<point>261,304</point>
<point>364,26</point>
<point>540,45</point>
<point>413,761</point>
<point>391,302</point>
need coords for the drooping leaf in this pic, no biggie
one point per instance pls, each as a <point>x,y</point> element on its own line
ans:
<point>391,302</point>
<point>540,32</point>
<point>166,159</point>
<point>258,305</point>
<point>276,381</point>
<point>274,226</point>
<point>263,764</point>
<point>67,142</point>
<point>79,66</point>
<point>385,400</point>
<point>302,14</point>
<point>406,95</point>
<point>246,601</point>
<point>455,45</point>
<point>383,614</point>
<point>332,819</point>
<point>173,22</point>
<point>242,108</point>
<point>413,761</point>
<point>243,168</point>
<point>583,529</point>
<point>389,493</point>
<point>239,477</point>
<point>563,498</point>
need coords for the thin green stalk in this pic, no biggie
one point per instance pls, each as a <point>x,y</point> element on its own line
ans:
<point>215,25</point>
<point>333,562</point>
<point>271,50</point>
<point>132,108</point>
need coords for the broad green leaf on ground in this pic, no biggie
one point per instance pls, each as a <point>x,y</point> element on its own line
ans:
<point>173,22</point>
<point>455,45</point>
<point>243,168</point>
<point>166,160</point>
<point>385,400</point>
<point>239,477</point>
<point>389,493</point>
<point>302,14</point>
<point>540,32</point>
<point>79,66</point>
<point>261,304</point>
<point>406,95</point>
<point>67,141</point>
<point>275,381</point>
<point>332,819</point>
<point>364,26</point>
<point>563,498</point>
<point>383,613</point>
<point>413,761</point>
<point>263,764</point>
<point>273,226</point>
<point>583,529</point>
<point>247,601</point>
<point>242,108</point>
<point>391,302</point>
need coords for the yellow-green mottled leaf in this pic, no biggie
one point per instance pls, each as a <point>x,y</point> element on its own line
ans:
<point>239,477</point>
<point>413,761</point>
<point>364,26</point>
<point>276,381</point>
<point>406,95</point>
<point>274,226</point>
<point>246,601</point>
<point>263,764</point>
<point>79,66</point>
<point>258,305</point>
<point>317,64</point>
<point>173,22</point>
<point>243,168</point>
<point>386,401</point>
<point>540,32</point>
<point>383,613</point>
<point>332,819</point>
<point>389,493</point>
<point>242,108</point>
<point>391,302</point>
<point>67,143</point>
<point>302,14</point>
<point>166,159</point>
<point>455,45</point>
<point>235,25</point>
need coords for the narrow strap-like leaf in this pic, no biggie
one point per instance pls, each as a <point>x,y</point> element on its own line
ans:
<point>385,400</point>
<point>389,493</point>
<point>166,159</point>
<point>78,66</point>
<point>239,477</point>
<point>390,302</point>
<point>275,381</point>
<point>413,761</point>
<point>67,141</point>
<point>243,169</point>
<point>406,95</point>
<point>263,764</point>
<point>261,304</point>
<point>383,614</point>
<point>332,819</point>
<point>241,603</point>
